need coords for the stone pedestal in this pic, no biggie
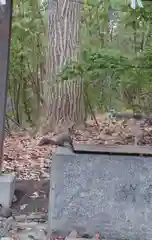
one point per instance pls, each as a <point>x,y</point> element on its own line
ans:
<point>110,194</point>
<point>7,188</point>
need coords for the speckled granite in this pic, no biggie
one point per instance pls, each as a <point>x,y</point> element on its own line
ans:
<point>110,194</point>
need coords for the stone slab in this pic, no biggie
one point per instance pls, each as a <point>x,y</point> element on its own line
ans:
<point>110,194</point>
<point>7,188</point>
<point>113,149</point>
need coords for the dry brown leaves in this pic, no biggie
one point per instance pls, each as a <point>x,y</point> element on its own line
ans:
<point>23,156</point>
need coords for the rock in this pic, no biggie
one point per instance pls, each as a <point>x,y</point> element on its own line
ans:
<point>5,212</point>
<point>37,234</point>
<point>21,218</point>
<point>73,234</point>
<point>37,217</point>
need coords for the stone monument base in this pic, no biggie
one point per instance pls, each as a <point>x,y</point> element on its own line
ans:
<point>110,194</point>
<point>7,188</point>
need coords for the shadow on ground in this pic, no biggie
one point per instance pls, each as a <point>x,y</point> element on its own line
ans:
<point>32,196</point>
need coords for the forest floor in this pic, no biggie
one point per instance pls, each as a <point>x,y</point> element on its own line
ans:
<point>23,156</point>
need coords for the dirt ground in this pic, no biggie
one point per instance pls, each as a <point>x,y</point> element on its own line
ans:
<point>32,196</point>
<point>28,160</point>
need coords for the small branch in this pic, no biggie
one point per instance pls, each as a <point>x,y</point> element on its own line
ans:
<point>16,123</point>
<point>91,110</point>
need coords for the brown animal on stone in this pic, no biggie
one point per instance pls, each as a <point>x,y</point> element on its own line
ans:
<point>62,141</point>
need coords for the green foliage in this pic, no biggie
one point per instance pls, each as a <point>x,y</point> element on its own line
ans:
<point>27,60</point>
<point>115,57</point>
<point>95,64</point>
<point>101,72</point>
<point>115,64</point>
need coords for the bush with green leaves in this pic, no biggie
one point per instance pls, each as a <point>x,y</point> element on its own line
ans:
<point>115,64</point>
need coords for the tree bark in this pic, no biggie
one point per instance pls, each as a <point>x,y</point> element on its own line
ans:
<point>63,46</point>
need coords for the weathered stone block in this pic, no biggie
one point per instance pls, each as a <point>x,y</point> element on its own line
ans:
<point>7,188</point>
<point>110,194</point>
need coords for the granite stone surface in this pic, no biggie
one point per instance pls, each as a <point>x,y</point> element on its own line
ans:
<point>7,188</point>
<point>109,194</point>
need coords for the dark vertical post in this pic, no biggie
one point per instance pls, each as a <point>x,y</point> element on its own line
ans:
<point>5,35</point>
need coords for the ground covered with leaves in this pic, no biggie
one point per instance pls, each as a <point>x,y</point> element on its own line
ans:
<point>23,156</point>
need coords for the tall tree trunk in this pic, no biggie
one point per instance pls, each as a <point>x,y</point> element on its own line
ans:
<point>63,33</point>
